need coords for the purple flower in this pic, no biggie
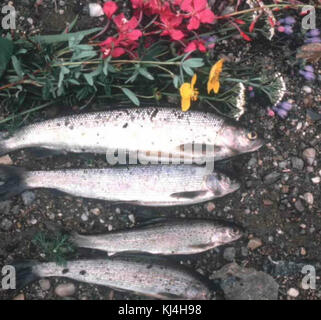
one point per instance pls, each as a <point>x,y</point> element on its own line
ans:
<point>313,40</point>
<point>280,112</point>
<point>288,29</point>
<point>289,20</point>
<point>287,106</point>
<point>309,68</point>
<point>313,33</point>
<point>310,76</point>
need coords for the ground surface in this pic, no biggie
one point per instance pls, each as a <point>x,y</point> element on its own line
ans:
<point>272,208</point>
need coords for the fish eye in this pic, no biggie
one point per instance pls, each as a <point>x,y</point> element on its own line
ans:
<point>252,135</point>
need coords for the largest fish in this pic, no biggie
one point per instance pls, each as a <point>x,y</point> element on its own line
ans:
<point>153,133</point>
<point>151,185</point>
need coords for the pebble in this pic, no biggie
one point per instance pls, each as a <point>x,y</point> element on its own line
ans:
<point>210,207</point>
<point>229,254</point>
<point>65,290</point>
<point>254,243</point>
<point>6,160</point>
<point>292,292</point>
<point>44,284</point>
<point>95,10</point>
<point>297,163</point>
<point>316,180</point>
<point>95,211</point>
<point>307,89</point>
<point>20,296</point>
<point>299,206</point>
<point>84,217</point>
<point>6,224</point>
<point>309,155</point>
<point>131,218</point>
<point>271,177</point>
<point>303,252</point>
<point>5,207</point>
<point>28,197</point>
<point>30,21</point>
<point>308,197</point>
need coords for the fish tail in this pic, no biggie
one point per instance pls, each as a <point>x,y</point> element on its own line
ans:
<point>79,240</point>
<point>25,273</point>
<point>11,181</point>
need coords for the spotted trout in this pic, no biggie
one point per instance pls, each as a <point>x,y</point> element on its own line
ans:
<point>146,276</point>
<point>151,185</point>
<point>149,134</point>
<point>168,237</point>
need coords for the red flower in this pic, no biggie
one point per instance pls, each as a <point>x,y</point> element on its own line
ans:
<point>110,7</point>
<point>199,11</point>
<point>245,36</point>
<point>127,27</point>
<point>196,45</point>
<point>111,47</point>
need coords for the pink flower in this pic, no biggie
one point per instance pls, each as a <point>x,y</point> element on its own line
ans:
<point>110,7</point>
<point>199,12</point>
<point>196,45</point>
<point>111,46</point>
<point>127,27</point>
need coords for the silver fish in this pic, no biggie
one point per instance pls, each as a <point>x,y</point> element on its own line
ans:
<point>152,185</point>
<point>151,133</point>
<point>173,236</point>
<point>141,275</point>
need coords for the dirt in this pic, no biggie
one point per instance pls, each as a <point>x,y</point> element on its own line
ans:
<point>289,231</point>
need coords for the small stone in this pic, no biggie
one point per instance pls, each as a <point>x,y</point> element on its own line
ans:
<point>292,292</point>
<point>84,217</point>
<point>95,10</point>
<point>65,290</point>
<point>271,177</point>
<point>95,211</point>
<point>30,21</point>
<point>316,180</point>
<point>110,227</point>
<point>61,11</point>
<point>297,163</point>
<point>44,284</point>
<point>20,296</point>
<point>6,160</point>
<point>285,189</point>
<point>244,251</point>
<point>6,224</point>
<point>267,202</point>
<point>308,197</point>
<point>131,218</point>
<point>254,243</point>
<point>210,207</point>
<point>307,89</point>
<point>309,155</point>
<point>62,3</point>
<point>28,197</point>
<point>303,252</point>
<point>5,207</point>
<point>299,206</point>
<point>229,254</point>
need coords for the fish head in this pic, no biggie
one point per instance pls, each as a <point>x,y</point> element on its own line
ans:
<point>234,140</point>
<point>220,184</point>
<point>225,233</point>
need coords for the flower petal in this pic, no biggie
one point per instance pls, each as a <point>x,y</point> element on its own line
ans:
<point>110,7</point>
<point>194,79</point>
<point>193,24</point>
<point>185,104</point>
<point>207,16</point>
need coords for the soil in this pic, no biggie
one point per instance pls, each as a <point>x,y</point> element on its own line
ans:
<point>270,208</point>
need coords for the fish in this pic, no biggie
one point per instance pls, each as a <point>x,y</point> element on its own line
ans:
<point>150,185</point>
<point>147,134</point>
<point>164,237</point>
<point>147,276</point>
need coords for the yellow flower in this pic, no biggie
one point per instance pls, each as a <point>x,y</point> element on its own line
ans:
<point>188,93</point>
<point>214,77</point>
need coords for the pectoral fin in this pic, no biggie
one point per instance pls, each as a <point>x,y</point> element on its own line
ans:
<point>188,194</point>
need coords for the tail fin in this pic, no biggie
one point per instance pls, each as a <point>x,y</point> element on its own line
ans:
<point>79,240</point>
<point>11,181</point>
<point>25,274</point>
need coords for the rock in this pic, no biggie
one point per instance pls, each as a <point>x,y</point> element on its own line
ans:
<point>292,292</point>
<point>28,197</point>
<point>210,207</point>
<point>271,177</point>
<point>309,155</point>
<point>5,207</point>
<point>6,160</point>
<point>297,163</point>
<point>95,10</point>
<point>299,206</point>
<point>229,254</point>
<point>95,211</point>
<point>254,243</point>
<point>65,290</point>
<point>131,218</point>
<point>6,224</point>
<point>316,180</point>
<point>246,283</point>
<point>307,89</point>
<point>44,284</point>
<point>84,217</point>
<point>303,252</point>
<point>308,197</point>
<point>244,251</point>
<point>20,296</point>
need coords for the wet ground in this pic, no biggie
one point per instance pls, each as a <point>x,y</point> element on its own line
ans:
<point>278,203</point>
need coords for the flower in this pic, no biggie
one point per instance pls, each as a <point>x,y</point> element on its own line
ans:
<point>199,12</point>
<point>188,93</point>
<point>308,73</point>
<point>127,27</point>
<point>214,77</point>
<point>110,7</point>
<point>282,109</point>
<point>112,46</point>
<point>196,45</point>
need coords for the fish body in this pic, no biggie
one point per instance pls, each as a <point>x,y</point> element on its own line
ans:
<point>149,134</point>
<point>151,185</point>
<point>169,237</point>
<point>141,275</point>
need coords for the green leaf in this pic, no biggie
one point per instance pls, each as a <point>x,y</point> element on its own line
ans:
<point>63,72</point>
<point>131,95</point>
<point>6,50</point>
<point>176,81</point>
<point>145,73</point>
<point>17,67</point>
<point>89,78</point>
<point>188,70</point>
<point>194,63</point>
